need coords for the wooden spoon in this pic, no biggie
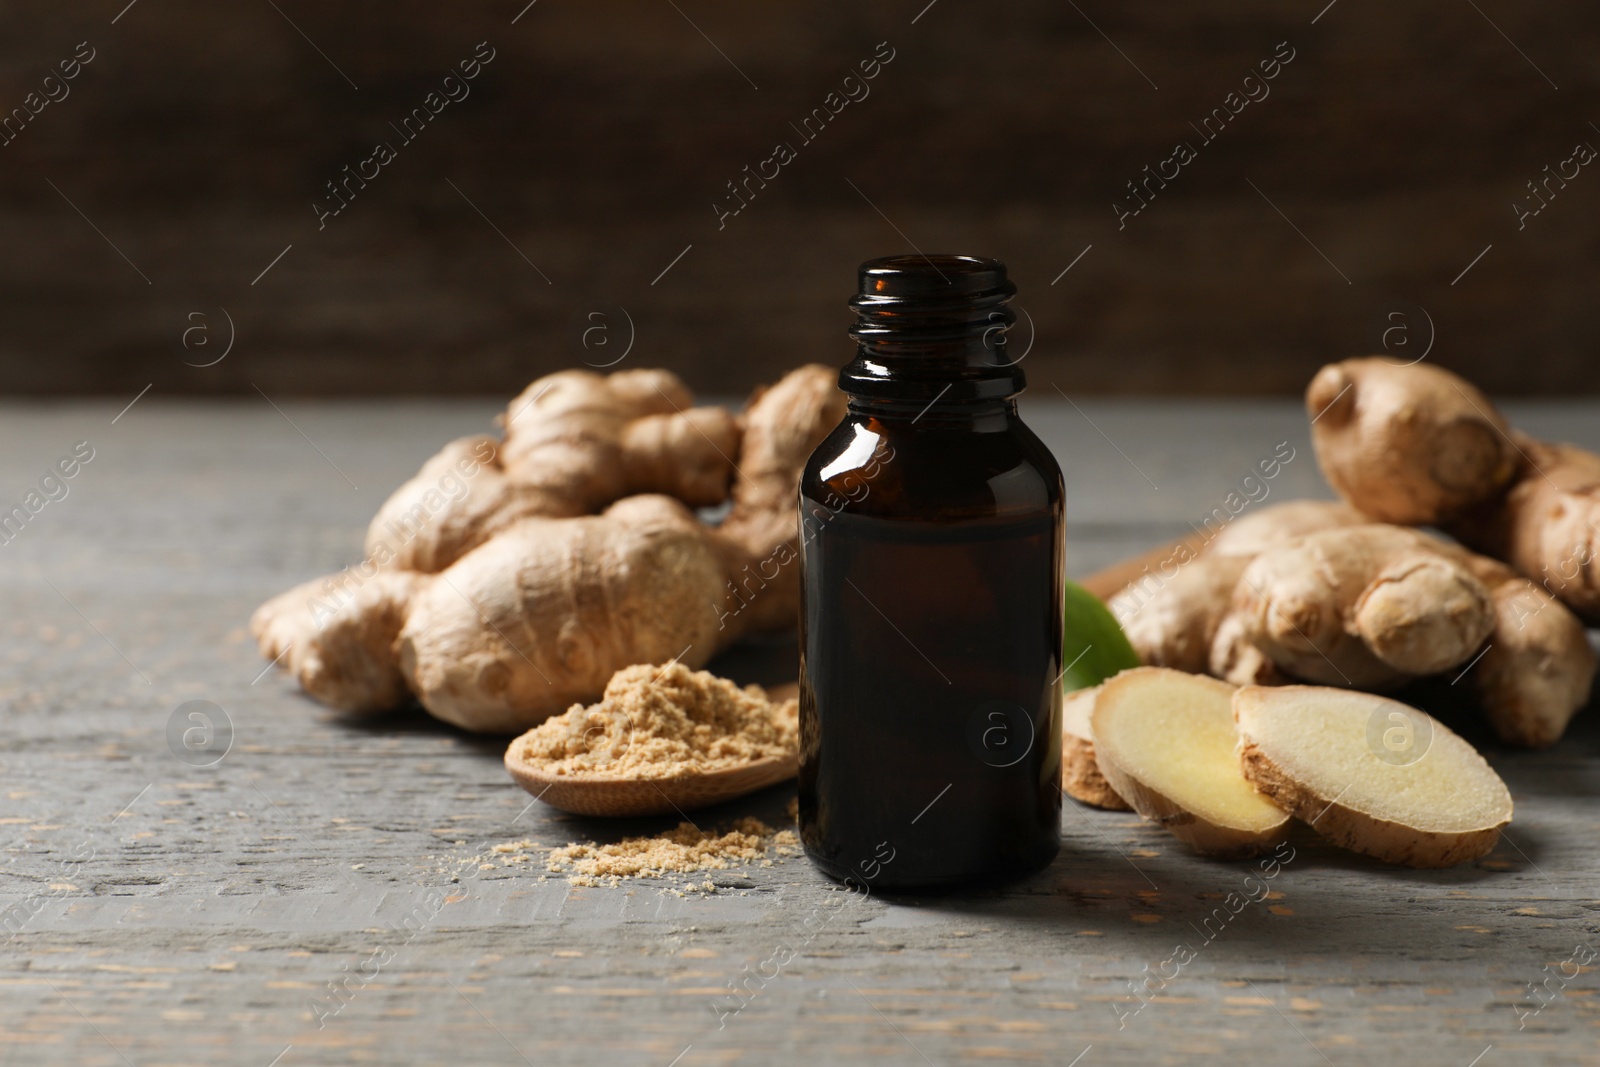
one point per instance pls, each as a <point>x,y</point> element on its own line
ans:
<point>613,796</point>
<point>593,794</point>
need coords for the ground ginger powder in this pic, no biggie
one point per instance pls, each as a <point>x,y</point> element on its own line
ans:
<point>664,722</point>
<point>657,723</point>
<point>676,851</point>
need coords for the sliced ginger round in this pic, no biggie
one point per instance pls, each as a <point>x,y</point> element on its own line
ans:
<point>1165,742</point>
<point>1080,774</point>
<point>1371,774</point>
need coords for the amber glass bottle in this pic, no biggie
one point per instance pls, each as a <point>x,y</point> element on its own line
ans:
<point>931,558</point>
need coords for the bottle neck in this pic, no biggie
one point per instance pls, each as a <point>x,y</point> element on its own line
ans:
<point>927,414</point>
<point>972,371</point>
<point>932,330</point>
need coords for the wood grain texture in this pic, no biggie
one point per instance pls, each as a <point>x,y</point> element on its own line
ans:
<point>592,150</point>
<point>177,914</point>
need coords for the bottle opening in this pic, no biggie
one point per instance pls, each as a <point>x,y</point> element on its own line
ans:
<point>943,278</point>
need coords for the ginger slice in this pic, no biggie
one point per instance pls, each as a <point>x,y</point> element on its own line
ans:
<point>1371,774</point>
<point>1165,742</point>
<point>1080,774</point>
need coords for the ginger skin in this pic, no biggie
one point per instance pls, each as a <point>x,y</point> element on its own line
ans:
<point>1173,619</point>
<point>575,441</point>
<point>1547,525</point>
<point>1176,624</point>
<point>1417,445</point>
<point>1538,667</point>
<point>1411,445</point>
<point>543,610</point>
<point>543,615</point>
<point>1367,606</point>
<point>405,535</point>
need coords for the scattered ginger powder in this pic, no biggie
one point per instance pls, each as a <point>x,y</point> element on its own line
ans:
<point>680,850</point>
<point>663,722</point>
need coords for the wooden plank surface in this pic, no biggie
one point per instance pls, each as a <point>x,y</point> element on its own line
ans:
<point>160,913</point>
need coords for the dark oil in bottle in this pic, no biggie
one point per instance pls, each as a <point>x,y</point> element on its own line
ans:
<point>931,555</point>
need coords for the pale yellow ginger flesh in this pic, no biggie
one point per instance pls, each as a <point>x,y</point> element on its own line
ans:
<point>1165,742</point>
<point>1372,774</point>
<point>663,722</point>
<point>1076,710</point>
<point>1080,774</point>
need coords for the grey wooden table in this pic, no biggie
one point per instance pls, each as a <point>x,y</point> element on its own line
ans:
<point>326,891</point>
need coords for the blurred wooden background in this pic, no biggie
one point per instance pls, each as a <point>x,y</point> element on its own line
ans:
<point>1387,157</point>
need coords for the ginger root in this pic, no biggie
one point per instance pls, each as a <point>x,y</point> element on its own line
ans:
<point>1547,525</point>
<point>1420,446</point>
<point>1409,445</point>
<point>1174,623</point>
<point>1173,616</point>
<point>509,608</point>
<point>575,441</point>
<point>1538,667</point>
<point>1366,606</point>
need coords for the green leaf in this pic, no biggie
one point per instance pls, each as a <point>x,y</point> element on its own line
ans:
<point>1093,647</point>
